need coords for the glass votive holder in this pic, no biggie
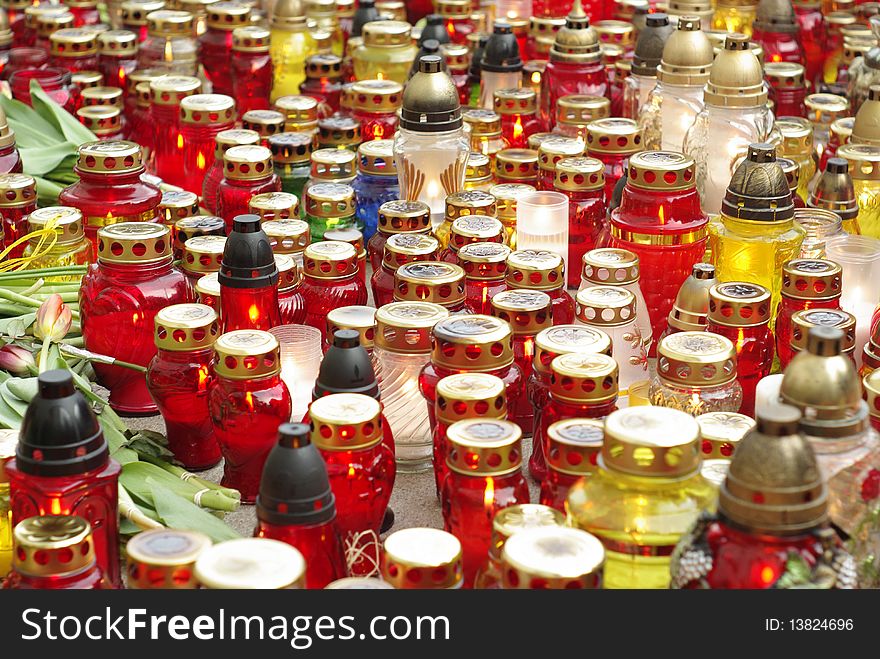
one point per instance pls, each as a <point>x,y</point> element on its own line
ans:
<point>542,223</point>
<point>301,356</point>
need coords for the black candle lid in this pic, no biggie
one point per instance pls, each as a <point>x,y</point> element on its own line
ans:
<point>295,489</point>
<point>435,28</point>
<point>346,368</point>
<point>501,54</point>
<point>366,12</point>
<point>477,57</point>
<point>247,261</point>
<point>60,434</point>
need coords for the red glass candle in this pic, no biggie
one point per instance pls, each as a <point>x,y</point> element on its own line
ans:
<point>528,312</point>
<point>178,378</point>
<point>573,447</point>
<point>16,18</point>
<point>197,225</point>
<point>485,475</point>
<point>456,16</point>
<point>133,15</point>
<point>549,344</point>
<point>348,428</point>
<point>104,121</point>
<point>247,400</point>
<point>778,35</point>
<point>355,238</point>
<point>517,166</point>
<point>575,66</point>
<point>457,57</point>
<point>248,171</point>
<point>741,312</point>
<point>469,229</point>
<point>251,68</point>
<point>54,552</point>
<point>613,141</point>
<point>400,248</point>
<point>138,124</point>
<point>223,142</point>
<point>18,198</point>
<point>177,205</point>
<point>330,281</point>
<point>54,81</point>
<point>430,281</point>
<point>297,506</point>
<point>110,189</point>
<point>117,56</point>
<point>74,49</point>
<point>788,88</point>
<point>215,45</point>
<point>201,255</point>
<point>248,278</point>
<point>291,303</point>
<point>550,152</point>
<point>519,115</point>
<point>806,284</point>
<point>324,81</point>
<point>841,131</point>
<point>85,12</point>
<point>166,93</point>
<point>542,271</point>
<point>202,118</point>
<point>396,217</point>
<point>23,58</point>
<point>582,180</point>
<point>660,220</point>
<point>811,23</point>
<point>208,291</point>
<point>48,21</point>
<point>375,104</point>
<point>62,466</point>
<point>119,299</point>
<point>485,265</point>
<point>542,31</point>
<point>470,344</point>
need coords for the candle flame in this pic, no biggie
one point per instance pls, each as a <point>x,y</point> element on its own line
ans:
<point>489,494</point>
<point>517,128</point>
<point>378,131</point>
<point>122,76</point>
<point>179,141</point>
<point>249,401</point>
<point>351,471</point>
<point>450,27</point>
<point>203,377</point>
<point>169,56</point>
<point>54,506</point>
<point>380,76</point>
<point>200,160</point>
<point>776,57</point>
<point>253,313</point>
<point>662,215</point>
<point>536,77</point>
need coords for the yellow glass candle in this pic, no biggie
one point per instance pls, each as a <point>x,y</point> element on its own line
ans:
<point>8,441</point>
<point>734,16</point>
<point>290,43</point>
<point>71,246</point>
<point>387,52</point>
<point>864,167</point>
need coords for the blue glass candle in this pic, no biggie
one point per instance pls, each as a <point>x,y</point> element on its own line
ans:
<point>376,182</point>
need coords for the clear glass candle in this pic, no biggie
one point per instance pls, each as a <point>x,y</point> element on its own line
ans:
<point>542,223</point>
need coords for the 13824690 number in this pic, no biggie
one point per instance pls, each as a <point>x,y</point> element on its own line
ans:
<point>820,624</point>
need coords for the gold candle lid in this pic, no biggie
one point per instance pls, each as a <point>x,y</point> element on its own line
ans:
<point>202,254</point>
<point>401,216</point>
<point>345,422</point>
<point>527,312</point>
<point>68,222</point>
<point>469,202</point>
<point>552,559</point>
<point>470,395</point>
<point>177,205</point>
<point>405,327</point>
<point>73,42</point>
<point>134,12</point>
<point>207,109</point>
<point>251,563</point>
<point>264,122</point>
<point>422,558</point>
<point>537,139</point>
<point>183,327</point>
<point>484,447</point>
<point>579,174</point>
<point>338,132</point>
<point>386,34</point>
<point>288,273</point>
<point>139,76</point>
<point>86,79</point>
<point>651,441</point>
<point>330,200</point>
<point>475,229</point>
<point>164,558</point>
<point>871,385</point>
<point>574,445</point>
<point>483,122</point>
<point>739,304</point>
<point>301,112</point>
<point>721,433</point>
<point>473,343</point>
<point>797,136</point>
<point>863,159</point>
<point>478,170</point>
<point>49,23</point>
<point>324,65</point>
<point>172,89</point>
<point>291,148</point>
<point>826,108</point>
<point>736,78</point>
<point>134,242</point>
<point>785,75</point>
<point>276,207</point>
<point>403,248</point>
<point>605,306</point>
<point>429,281</point>
<point>552,151</point>
<point>661,170</point>
<point>506,195</point>
<point>376,157</point>
<point>112,157</point>
<point>811,279</point>
<point>516,164</point>
<point>691,307</point>
<point>209,286</point>
<point>197,225</point>
<point>246,354</point>
<point>457,56</point>
<point>102,96</point>
<point>584,378</point>
<point>227,16</point>
<point>581,109</point>
<point>613,135</point>
<point>17,190</point>
<point>564,339</point>
<point>53,546</point>
<point>243,163</point>
<point>170,23</point>
<point>521,517</point>
<point>620,33</point>
<point>120,43</point>
<point>356,317</point>
<point>804,320</point>
<point>696,359</point>
<point>515,101</point>
<point>453,8</point>
<point>535,269</point>
<point>377,96</point>
<point>610,266</point>
<point>102,120</point>
<point>34,12</point>
<point>484,261</point>
<point>333,164</point>
<point>227,139</point>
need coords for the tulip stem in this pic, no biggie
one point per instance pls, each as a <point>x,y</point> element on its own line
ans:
<point>28,302</point>
<point>44,356</point>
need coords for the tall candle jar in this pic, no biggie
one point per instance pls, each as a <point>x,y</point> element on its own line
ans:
<point>573,448</point>
<point>110,189</point>
<point>395,217</point>
<point>463,204</point>
<point>386,53</point>
<point>741,312</point>
<point>329,206</point>
<point>248,171</point>
<point>247,401</point>
<point>215,43</point>
<point>506,196</point>
<point>430,148</point>
<point>422,558</point>
<point>400,249</point>
<point>170,44</point>
<point>485,266</point>
<point>787,88</point>
<point>500,65</point>
<point>484,461</point>
<point>330,281</point>
<point>651,491</point>
<point>646,58</point>
<point>62,466</point>
<point>542,271</point>
<point>117,56</point>
<point>202,118</point>
<point>18,198</point>
<point>178,378</point>
<point>224,141</point>
<point>518,109</point>
<point>252,69</point>
<point>612,141</point>
<point>402,349</point>
<point>457,59</point>
<point>582,180</point>
<point>290,43</point>
<point>120,296</point>
<point>347,429</point>
<point>376,182</point>
<point>469,229</point>
<point>201,256</point>
<point>166,94</point>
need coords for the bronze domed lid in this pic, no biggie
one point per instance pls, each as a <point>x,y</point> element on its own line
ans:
<point>834,190</point>
<point>822,382</point>
<point>737,77</point>
<point>430,99</point>
<point>576,41</point>
<point>866,129</point>
<point>288,14</point>
<point>775,16</point>
<point>758,190</point>
<point>774,484</point>
<point>690,310</point>
<point>687,55</point>
<point>649,46</point>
